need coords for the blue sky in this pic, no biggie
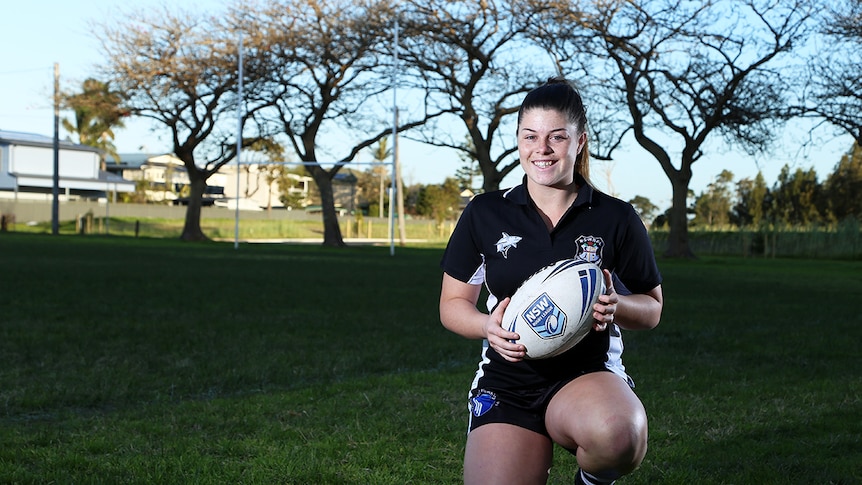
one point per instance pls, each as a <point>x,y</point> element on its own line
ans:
<point>36,34</point>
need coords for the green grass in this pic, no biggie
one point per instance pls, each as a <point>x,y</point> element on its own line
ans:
<point>153,361</point>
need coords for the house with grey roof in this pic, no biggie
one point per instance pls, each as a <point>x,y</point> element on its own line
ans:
<point>27,169</point>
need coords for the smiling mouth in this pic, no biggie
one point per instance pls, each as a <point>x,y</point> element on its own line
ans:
<point>543,163</point>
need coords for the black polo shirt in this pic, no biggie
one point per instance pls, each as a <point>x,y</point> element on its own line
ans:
<point>500,240</point>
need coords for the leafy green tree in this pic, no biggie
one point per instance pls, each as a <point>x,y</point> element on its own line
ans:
<point>712,207</point>
<point>645,208</point>
<point>291,189</point>
<point>439,201</point>
<point>843,187</point>
<point>98,111</point>
<point>795,198</point>
<point>273,171</point>
<point>373,182</point>
<point>751,202</point>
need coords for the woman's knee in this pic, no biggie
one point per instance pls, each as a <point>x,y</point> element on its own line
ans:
<point>623,441</point>
<point>602,420</point>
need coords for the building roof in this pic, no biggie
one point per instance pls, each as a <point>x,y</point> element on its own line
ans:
<point>137,160</point>
<point>36,140</point>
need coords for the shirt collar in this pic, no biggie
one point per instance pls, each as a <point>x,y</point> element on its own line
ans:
<point>519,194</point>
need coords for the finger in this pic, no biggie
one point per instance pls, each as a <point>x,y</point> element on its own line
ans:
<point>501,308</point>
<point>514,358</point>
<point>508,349</point>
<point>602,319</point>
<point>505,339</point>
<point>602,310</point>
<point>609,282</point>
<point>512,355</point>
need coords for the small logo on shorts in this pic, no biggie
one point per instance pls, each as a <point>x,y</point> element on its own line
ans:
<point>482,402</point>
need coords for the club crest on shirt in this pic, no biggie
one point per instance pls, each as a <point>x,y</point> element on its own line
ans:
<point>589,248</point>
<point>507,242</point>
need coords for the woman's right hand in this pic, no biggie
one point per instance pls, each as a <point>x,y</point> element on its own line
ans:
<point>501,340</point>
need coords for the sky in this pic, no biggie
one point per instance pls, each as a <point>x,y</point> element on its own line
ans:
<point>39,33</point>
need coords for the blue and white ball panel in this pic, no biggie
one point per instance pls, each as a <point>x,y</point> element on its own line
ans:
<point>552,310</point>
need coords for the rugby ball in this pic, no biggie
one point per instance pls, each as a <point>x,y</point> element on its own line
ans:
<point>553,309</point>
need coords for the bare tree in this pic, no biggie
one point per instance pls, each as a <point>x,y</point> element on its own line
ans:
<point>834,84</point>
<point>678,74</point>
<point>181,71</point>
<point>474,59</point>
<point>329,64</point>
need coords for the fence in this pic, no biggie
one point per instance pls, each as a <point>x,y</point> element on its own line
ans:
<point>845,242</point>
<point>36,211</point>
<point>151,220</point>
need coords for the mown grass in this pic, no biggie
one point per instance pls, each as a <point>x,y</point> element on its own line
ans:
<point>152,361</point>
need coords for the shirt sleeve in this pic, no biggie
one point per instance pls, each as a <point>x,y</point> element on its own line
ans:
<point>636,266</point>
<point>463,259</point>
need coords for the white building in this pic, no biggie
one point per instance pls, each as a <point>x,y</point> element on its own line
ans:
<point>27,169</point>
<point>258,184</point>
<point>166,178</point>
<point>164,175</point>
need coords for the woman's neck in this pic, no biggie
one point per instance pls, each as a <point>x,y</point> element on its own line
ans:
<point>552,202</point>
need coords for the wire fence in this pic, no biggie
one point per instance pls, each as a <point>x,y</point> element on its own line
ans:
<point>844,242</point>
<point>149,220</point>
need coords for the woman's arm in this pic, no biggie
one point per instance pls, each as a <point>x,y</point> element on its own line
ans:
<point>640,311</point>
<point>459,314</point>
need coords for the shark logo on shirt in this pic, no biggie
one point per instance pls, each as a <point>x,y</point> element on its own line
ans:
<point>507,242</point>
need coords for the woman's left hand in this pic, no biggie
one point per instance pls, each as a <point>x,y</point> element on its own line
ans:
<point>604,309</point>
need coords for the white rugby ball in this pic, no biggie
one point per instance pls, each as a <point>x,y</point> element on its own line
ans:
<point>553,309</point>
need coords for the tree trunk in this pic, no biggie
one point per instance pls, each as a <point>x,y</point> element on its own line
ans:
<point>331,231</point>
<point>677,244</point>
<point>192,227</point>
<point>491,180</point>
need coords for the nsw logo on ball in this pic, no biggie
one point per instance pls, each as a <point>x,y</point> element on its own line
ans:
<point>545,317</point>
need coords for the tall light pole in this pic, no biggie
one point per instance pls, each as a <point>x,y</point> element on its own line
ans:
<point>55,191</point>
<point>238,143</point>
<point>392,184</point>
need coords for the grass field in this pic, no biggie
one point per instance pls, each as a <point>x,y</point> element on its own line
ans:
<point>153,361</point>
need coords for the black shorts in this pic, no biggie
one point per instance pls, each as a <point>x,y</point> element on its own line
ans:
<point>524,408</point>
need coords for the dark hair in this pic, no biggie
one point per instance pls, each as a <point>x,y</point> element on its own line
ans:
<point>561,95</point>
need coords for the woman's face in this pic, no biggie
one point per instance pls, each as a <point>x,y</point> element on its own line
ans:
<point>548,146</point>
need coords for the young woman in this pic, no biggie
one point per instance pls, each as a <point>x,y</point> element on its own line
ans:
<point>582,399</point>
